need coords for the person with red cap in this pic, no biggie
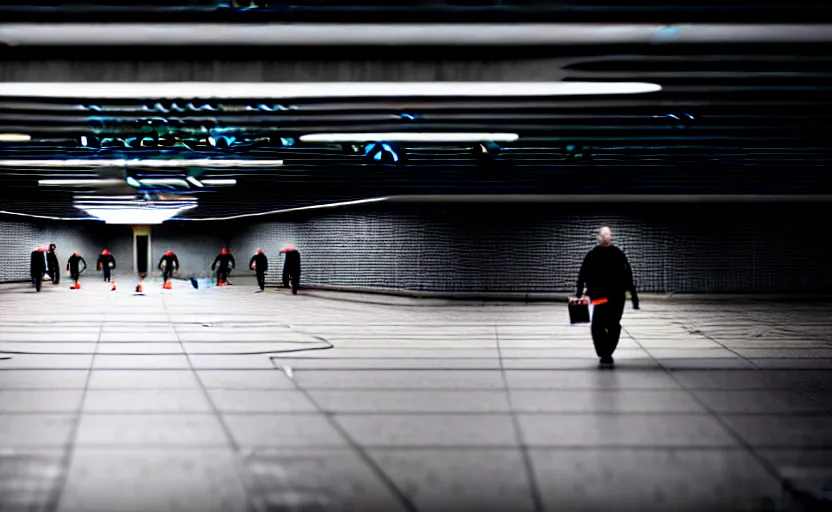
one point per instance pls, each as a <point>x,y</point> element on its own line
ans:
<point>168,265</point>
<point>106,264</point>
<point>226,262</point>
<point>260,264</point>
<point>73,266</point>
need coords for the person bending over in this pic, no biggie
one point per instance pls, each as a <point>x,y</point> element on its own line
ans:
<point>73,266</point>
<point>168,265</point>
<point>106,264</point>
<point>37,267</point>
<point>607,275</point>
<point>225,262</point>
<point>260,264</point>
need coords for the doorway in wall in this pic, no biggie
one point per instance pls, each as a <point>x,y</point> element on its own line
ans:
<point>141,249</point>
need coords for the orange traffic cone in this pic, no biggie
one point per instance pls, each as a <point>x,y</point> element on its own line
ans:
<point>139,288</point>
<point>167,286</point>
<point>76,286</point>
<point>113,282</point>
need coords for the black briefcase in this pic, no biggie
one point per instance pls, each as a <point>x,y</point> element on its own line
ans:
<point>578,311</point>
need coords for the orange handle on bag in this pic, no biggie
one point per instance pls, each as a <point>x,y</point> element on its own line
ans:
<point>597,302</point>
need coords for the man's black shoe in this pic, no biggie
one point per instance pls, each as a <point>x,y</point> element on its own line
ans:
<point>607,361</point>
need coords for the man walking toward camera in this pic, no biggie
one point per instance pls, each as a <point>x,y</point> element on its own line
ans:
<point>607,275</point>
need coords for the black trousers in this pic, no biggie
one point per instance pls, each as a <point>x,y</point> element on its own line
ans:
<point>261,280</point>
<point>222,274</point>
<point>37,281</point>
<point>606,326</point>
<point>292,275</point>
<point>55,276</point>
<point>167,273</point>
<point>74,275</point>
<point>106,270</point>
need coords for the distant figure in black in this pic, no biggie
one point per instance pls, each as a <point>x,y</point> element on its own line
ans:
<point>260,264</point>
<point>168,264</point>
<point>106,264</point>
<point>53,268</point>
<point>38,267</point>
<point>291,269</point>
<point>225,262</point>
<point>607,275</point>
<point>73,266</point>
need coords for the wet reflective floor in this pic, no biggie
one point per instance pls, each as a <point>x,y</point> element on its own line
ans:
<point>225,399</point>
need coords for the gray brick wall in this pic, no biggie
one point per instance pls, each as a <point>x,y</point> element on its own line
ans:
<point>496,249</point>
<point>505,249</point>
<point>19,239</point>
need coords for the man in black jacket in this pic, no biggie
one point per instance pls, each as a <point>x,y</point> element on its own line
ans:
<point>260,264</point>
<point>291,269</point>
<point>106,264</point>
<point>53,268</point>
<point>226,262</point>
<point>168,264</point>
<point>73,266</point>
<point>38,267</point>
<point>607,275</point>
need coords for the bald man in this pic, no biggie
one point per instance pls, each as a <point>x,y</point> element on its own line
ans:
<point>607,275</point>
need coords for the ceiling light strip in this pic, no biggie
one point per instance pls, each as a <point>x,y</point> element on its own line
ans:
<point>410,137</point>
<point>142,163</point>
<point>14,137</point>
<point>219,182</point>
<point>289,90</point>
<point>288,210</point>
<point>79,182</point>
<point>138,216</point>
<point>390,35</point>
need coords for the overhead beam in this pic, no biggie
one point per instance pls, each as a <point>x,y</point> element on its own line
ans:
<point>385,34</point>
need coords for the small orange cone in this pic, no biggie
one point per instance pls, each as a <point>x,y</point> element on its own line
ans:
<point>139,288</point>
<point>76,286</point>
<point>113,282</point>
<point>167,286</point>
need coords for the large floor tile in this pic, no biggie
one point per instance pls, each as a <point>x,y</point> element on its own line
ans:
<point>658,430</point>
<point>653,480</point>
<point>43,379</point>
<point>335,479</point>
<point>455,479</point>
<point>35,430</point>
<point>590,379</point>
<point>606,401</point>
<point>153,481</point>
<point>382,401</point>
<point>270,378</point>
<point>41,401</point>
<point>429,430</point>
<point>759,401</point>
<point>283,431</point>
<point>122,401</point>
<point>784,431</point>
<point>400,379</point>
<point>151,430</point>
<point>143,379</point>
<point>260,400</point>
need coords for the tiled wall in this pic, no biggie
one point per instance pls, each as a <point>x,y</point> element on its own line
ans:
<point>19,239</point>
<point>704,249</point>
<point>496,249</point>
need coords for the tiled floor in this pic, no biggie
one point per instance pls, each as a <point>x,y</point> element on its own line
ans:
<point>226,399</point>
